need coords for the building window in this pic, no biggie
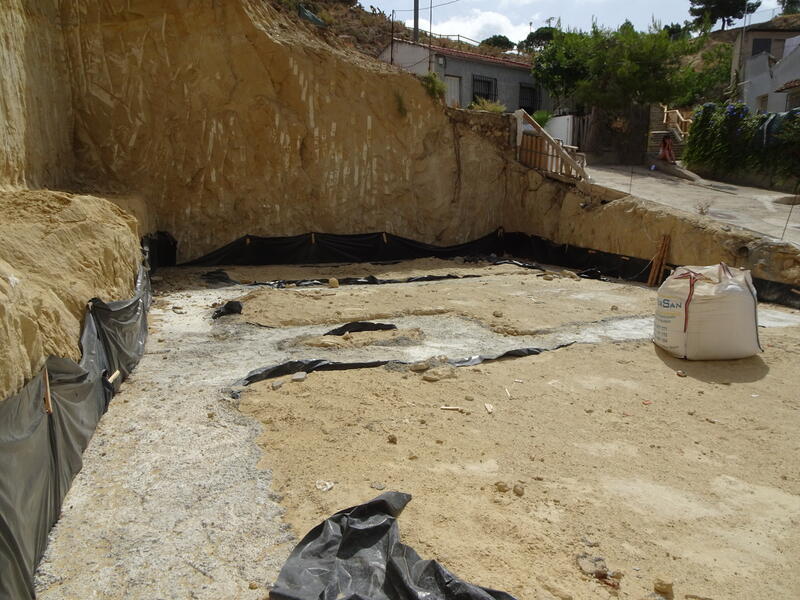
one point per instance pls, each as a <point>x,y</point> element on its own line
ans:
<point>762,45</point>
<point>761,103</point>
<point>793,100</point>
<point>529,98</point>
<point>484,87</point>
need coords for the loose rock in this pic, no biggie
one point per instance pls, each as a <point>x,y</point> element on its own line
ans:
<point>664,588</point>
<point>391,438</point>
<point>301,376</point>
<point>376,485</point>
<point>519,490</point>
<point>501,486</point>
<point>276,385</point>
<point>333,282</point>
<point>323,486</point>
<point>420,366</point>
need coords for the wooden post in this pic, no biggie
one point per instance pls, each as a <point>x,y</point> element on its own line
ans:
<point>48,404</point>
<point>657,267</point>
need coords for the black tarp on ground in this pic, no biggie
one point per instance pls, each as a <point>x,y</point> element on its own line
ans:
<point>358,326</point>
<point>40,453</point>
<point>357,554</point>
<point>317,248</point>
<point>319,364</point>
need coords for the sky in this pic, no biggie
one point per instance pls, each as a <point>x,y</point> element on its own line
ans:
<point>479,19</point>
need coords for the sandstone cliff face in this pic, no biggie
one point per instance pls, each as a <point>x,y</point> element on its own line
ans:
<point>230,120</point>
<point>35,96</point>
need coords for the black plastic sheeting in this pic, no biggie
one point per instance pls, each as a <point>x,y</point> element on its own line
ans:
<point>319,364</point>
<point>357,554</point>
<point>317,248</point>
<point>231,307</point>
<point>358,326</point>
<point>40,454</point>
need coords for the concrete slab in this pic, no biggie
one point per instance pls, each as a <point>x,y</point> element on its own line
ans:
<point>752,208</point>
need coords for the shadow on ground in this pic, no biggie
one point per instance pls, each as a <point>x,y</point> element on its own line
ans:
<point>743,370</point>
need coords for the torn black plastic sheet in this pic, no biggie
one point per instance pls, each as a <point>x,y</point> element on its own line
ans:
<point>311,365</point>
<point>359,326</point>
<point>357,554</point>
<point>221,278</point>
<point>41,453</point>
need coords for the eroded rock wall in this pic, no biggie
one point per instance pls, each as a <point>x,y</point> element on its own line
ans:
<point>35,96</point>
<point>232,120</point>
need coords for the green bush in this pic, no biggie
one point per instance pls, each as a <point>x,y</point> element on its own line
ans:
<point>726,138</point>
<point>487,105</point>
<point>542,117</point>
<point>433,85</point>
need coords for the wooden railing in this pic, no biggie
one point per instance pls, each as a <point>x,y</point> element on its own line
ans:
<point>674,119</point>
<point>538,150</point>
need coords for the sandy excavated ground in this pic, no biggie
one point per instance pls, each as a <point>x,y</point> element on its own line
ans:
<point>692,479</point>
<point>689,479</point>
<point>516,302</point>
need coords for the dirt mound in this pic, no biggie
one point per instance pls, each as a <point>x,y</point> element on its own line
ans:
<point>396,337</point>
<point>57,251</point>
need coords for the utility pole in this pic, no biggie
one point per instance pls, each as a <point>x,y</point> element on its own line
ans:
<point>416,20</point>
<point>430,38</point>
<point>391,43</point>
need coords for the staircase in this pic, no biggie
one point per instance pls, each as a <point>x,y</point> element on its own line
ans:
<point>666,121</point>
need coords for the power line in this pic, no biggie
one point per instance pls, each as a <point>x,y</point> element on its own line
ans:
<point>397,10</point>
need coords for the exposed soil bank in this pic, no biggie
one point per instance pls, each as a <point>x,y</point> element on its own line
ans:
<point>57,251</point>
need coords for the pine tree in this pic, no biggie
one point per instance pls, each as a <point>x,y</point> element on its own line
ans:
<point>728,11</point>
<point>789,7</point>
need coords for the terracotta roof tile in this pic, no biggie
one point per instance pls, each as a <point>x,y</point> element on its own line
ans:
<point>789,85</point>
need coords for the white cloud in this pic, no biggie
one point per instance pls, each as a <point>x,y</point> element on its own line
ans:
<point>478,25</point>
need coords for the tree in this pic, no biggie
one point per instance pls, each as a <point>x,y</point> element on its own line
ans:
<point>498,41</point>
<point>789,7</point>
<point>617,73</point>
<point>727,11</point>
<point>707,81</point>
<point>613,69</point>
<point>538,39</point>
<point>676,31</point>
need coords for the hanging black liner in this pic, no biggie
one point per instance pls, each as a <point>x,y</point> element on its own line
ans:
<point>357,554</point>
<point>40,452</point>
<point>319,248</point>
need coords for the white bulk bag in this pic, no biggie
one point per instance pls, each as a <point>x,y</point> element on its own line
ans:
<point>707,313</point>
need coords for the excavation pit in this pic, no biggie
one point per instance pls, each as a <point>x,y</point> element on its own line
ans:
<point>599,446</point>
